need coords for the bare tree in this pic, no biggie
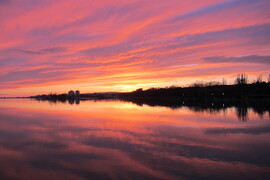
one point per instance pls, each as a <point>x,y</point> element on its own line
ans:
<point>241,79</point>
<point>224,82</point>
<point>212,83</point>
<point>259,79</point>
<point>197,84</point>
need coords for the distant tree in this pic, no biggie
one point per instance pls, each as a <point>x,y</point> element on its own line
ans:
<point>224,82</point>
<point>212,83</point>
<point>173,86</point>
<point>197,84</point>
<point>139,90</point>
<point>241,79</point>
<point>269,78</point>
<point>259,79</point>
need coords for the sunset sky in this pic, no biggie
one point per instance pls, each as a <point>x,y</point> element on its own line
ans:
<point>121,45</point>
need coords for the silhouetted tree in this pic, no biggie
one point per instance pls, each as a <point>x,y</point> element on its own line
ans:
<point>224,82</point>
<point>197,84</point>
<point>259,79</point>
<point>139,90</point>
<point>212,83</point>
<point>241,79</point>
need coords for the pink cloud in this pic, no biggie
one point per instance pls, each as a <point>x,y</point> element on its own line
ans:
<point>104,42</point>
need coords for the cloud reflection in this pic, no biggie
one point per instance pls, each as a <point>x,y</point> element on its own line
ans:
<point>90,141</point>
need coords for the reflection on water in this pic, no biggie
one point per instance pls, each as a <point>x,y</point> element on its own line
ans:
<point>72,101</point>
<point>121,140</point>
<point>261,107</point>
<point>212,106</point>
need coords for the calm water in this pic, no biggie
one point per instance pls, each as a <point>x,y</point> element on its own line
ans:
<point>120,140</point>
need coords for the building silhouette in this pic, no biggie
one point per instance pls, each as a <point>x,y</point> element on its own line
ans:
<point>77,93</point>
<point>72,94</point>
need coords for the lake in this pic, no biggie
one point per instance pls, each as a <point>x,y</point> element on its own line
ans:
<point>112,139</point>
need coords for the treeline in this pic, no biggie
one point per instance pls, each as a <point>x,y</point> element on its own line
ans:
<point>241,89</point>
<point>53,97</point>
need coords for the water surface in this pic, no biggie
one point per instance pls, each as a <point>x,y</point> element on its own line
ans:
<point>121,140</point>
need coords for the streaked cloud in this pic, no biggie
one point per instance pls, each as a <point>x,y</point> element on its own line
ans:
<point>242,59</point>
<point>129,44</point>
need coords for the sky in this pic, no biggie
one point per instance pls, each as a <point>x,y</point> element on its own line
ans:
<point>119,45</point>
